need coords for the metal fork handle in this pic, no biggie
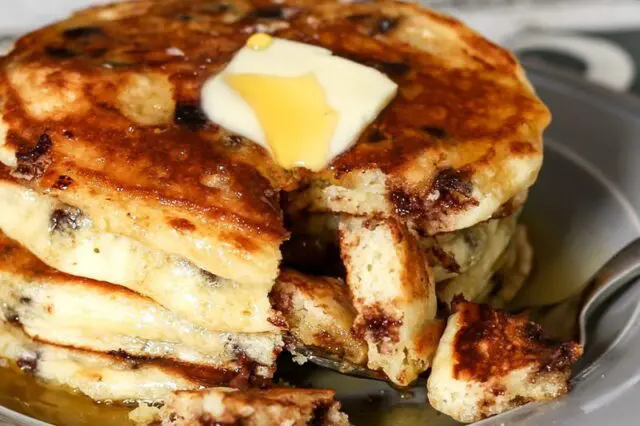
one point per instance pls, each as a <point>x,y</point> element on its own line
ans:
<point>614,275</point>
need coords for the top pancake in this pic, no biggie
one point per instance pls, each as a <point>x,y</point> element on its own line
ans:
<point>101,111</point>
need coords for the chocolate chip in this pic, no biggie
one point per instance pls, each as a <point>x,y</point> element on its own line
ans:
<point>393,68</point>
<point>384,25</point>
<point>32,162</point>
<point>68,219</point>
<point>209,277</point>
<point>119,353</point>
<point>134,362</point>
<point>59,52</point>
<point>404,203</point>
<point>449,180</point>
<point>181,224</point>
<point>436,132</point>
<point>28,364</point>
<point>378,324</point>
<point>268,12</point>
<point>78,32</point>
<point>190,115</point>
<point>63,182</point>
<point>43,146</point>
<point>233,347</point>
<point>25,300</point>
<point>12,317</point>
<point>376,136</point>
<point>68,134</point>
<point>375,25</point>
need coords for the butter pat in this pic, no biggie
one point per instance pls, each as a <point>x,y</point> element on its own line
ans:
<point>298,129</point>
<point>302,104</point>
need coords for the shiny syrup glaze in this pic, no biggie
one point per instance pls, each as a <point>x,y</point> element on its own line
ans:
<point>21,393</point>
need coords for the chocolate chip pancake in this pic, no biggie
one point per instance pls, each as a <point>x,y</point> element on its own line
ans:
<point>66,239</point>
<point>221,406</point>
<point>102,112</point>
<point>104,319</point>
<point>100,376</point>
<point>119,169</point>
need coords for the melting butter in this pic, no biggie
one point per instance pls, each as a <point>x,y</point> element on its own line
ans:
<point>259,41</point>
<point>298,101</point>
<point>294,115</point>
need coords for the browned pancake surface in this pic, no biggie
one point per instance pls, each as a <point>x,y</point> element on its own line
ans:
<point>104,106</point>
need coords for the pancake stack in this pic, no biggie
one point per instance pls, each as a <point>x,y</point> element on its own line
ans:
<point>141,242</point>
<point>127,233</point>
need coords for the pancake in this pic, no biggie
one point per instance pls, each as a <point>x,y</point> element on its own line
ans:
<point>489,362</point>
<point>99,376</point>
<point>116,131</point>
<point>67,240</point>
<point>68,311</point>
<point>224,406</point>
<point>113,173</point>
<point>393,292</point>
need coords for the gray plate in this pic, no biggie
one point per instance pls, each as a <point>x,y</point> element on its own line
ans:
<point>583,208</point>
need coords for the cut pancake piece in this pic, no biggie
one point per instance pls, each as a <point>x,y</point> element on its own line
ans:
<point>320,315</point>
<point>68,240</point>
<point>489,362</point>
<point>99,376</point>
<point>225,406</point>
<point>314,245</point>
<point>475,284</point>
<point>69,311</point>
<point>394,296</point>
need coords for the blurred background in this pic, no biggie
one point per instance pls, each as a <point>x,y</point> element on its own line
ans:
<point>597,39</point>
